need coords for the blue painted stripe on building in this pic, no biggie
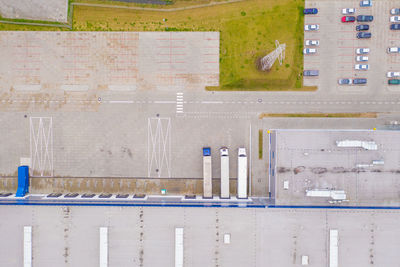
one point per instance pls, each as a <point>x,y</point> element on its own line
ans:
<point>335,207</point>
<point>49,203</point>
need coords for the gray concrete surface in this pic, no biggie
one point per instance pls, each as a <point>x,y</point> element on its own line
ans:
<point>69,236</point>
<point>310,159</point>
<point>115,61</point>
<point>55,10</point>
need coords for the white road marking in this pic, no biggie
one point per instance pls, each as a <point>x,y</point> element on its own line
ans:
<point>211,102</point>
<point>121,102</point>
<point>179,102</point>
<point>164,102</point>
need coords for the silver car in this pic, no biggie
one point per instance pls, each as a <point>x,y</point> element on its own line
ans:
<point>360,51</point>
<point>307,51</point>
<point>361,58</point>
<point>345,81</point>
<point>361,67</point>
<point>347,11</point>
<point>395,11</point>
<point>312,42</point>
<point>311,27</point>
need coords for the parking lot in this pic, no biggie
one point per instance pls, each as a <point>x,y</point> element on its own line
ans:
<point>336,54</point>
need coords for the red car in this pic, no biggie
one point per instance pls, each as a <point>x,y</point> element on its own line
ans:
<point>348,19</point>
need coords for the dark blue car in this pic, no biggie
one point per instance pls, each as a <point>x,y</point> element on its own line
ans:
<point>395,26</point>
<point>362,35</point>
<point>360,81</point>
<point>310,11</point>
<point>362,27</point>
<point>365,18</point>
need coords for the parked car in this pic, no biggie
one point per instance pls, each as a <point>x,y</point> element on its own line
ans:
<point>394,18</point>
<point>347,11</point>
<point>395,11</point>
<point>307,51</point>
<point>361,51</point>
<point>311,27</point>
<point>360,81</point>
<point>362,27</point>
<point>308,11</point>
<point>361,58</point>
<point>311,73</point>
<point>395,26</point>
<point>348,19</point>
<point>362,35</point>
<point>365,3</point>
<point>345,81</point>
<point>393,50</point>
<point>391,74</point>
<point>361,67</point>
<point>365,18</point>
<point>394,81</point>
<point>312,42</point>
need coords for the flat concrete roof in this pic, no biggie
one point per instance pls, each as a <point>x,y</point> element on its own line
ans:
<point>141,236</point>
<point>311,159</point>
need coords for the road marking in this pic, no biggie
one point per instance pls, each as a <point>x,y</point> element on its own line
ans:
<point>120,102</point>
<point>164,102</point>
<point>212,102</point>
<point>179,102</point>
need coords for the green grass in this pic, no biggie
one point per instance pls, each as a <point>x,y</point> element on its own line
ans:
<point>248,30</point>
<point>320,115</point>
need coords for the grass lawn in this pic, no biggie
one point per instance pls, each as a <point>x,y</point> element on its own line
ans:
<point>320,115</point>
<point>248,31</point>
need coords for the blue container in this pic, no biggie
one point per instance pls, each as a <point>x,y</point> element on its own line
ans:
<point>23,181</point>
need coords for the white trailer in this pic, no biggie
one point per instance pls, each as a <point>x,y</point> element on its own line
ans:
<point>224,172</point>
<point>242,174</point>
<point>207,173</point>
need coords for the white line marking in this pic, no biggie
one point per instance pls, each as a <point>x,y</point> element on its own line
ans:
<point>212,102</point>
<point>121,102</point>
<point>164,102</point>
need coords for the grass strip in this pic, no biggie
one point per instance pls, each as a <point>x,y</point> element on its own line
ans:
<point>319,115</point>
<point>260,144</point>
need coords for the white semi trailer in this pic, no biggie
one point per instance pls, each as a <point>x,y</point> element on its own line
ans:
<point>224,172</point>
<point>242,173</point>
<point>207,172</point>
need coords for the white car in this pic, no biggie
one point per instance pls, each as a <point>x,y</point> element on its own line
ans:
<point>361,58</point>
<point>395,11</point>
<point>307,51</point>
<point>361,67</point>
<point>347,11</point>
<point>391,74</point>
<point>394,18</point>
<point>311,27</point>
<point>393,50</point>
<point>360,51</point>
<point>312,42</point>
